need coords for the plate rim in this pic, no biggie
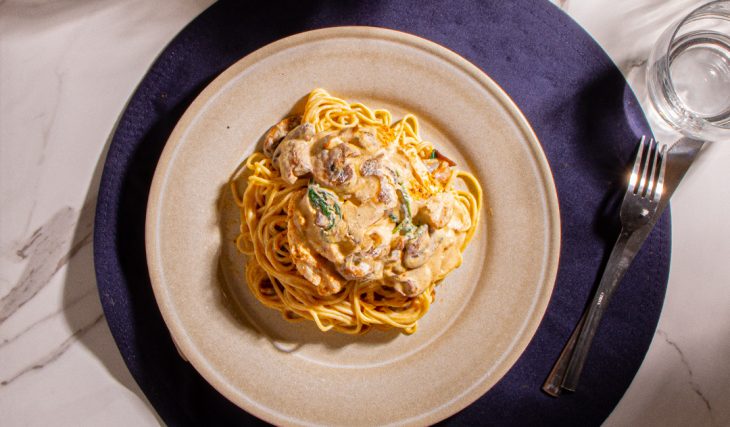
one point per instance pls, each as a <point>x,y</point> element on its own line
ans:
<point>553,236</point>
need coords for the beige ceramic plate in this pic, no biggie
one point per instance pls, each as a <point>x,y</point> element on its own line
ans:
<point>486,311</point>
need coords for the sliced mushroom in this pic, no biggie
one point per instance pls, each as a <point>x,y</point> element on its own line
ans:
<point>276,133</point>
<point>292,156</point>
<point>361,266</point>
<point>293,160</point>
<point>335,167</point>
<point>371,167</point>
<point>386,193</point>
<point>304,131</point>
<point>366,140</point>
<point>418,249</point>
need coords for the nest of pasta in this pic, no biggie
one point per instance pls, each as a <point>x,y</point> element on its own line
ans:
<point>351,220</point>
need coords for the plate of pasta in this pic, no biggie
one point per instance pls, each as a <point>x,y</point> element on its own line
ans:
<point>353,226</point>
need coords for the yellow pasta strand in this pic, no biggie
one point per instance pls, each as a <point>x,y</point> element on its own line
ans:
<point>270,272</point>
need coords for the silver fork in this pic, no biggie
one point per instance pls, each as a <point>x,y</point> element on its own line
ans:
<point>639,206</point>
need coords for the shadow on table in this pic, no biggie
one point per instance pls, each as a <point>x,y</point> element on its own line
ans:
<point>81,303</point>
<point>174,390</point>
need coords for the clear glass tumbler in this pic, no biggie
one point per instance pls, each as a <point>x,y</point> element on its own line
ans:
<point>688,73</point>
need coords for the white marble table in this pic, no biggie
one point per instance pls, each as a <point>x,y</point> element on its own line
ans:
<point>67,69</point>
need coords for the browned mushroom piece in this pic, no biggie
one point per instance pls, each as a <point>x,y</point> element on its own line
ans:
<point>412,283</point>
<point>366,140</point>
<point>418,249</point>
<point>335,167</point>
<point>277,132</point>
<point>292,155</point>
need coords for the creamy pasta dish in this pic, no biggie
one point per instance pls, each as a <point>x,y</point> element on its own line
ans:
<point>351,220</point>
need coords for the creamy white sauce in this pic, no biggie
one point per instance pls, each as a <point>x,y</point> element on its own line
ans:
<point>359,218</point>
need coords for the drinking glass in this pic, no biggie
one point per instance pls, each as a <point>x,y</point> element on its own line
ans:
<point>688,73</point>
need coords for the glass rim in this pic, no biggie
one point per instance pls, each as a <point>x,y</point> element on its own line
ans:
<point>697,13</point>
<point>693,16</point>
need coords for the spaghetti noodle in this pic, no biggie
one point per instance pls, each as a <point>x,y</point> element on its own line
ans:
<point>350,220</point>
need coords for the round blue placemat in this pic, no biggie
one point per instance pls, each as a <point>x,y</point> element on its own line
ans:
<point>586,118</point>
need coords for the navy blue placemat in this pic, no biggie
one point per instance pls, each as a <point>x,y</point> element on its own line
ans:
<point>586,118</point>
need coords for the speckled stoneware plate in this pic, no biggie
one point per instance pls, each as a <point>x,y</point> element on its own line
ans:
<point>486,311</point>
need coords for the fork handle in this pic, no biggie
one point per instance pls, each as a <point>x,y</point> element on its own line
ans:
<point>567,369</point>
<point>554,382</point>
<point>621,256</point>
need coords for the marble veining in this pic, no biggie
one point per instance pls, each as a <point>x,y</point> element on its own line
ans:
<point>47,250</point>
<point>54,354</point>
<point>47,317</point>
<point>631,65</point>
<point>691,380</point>
<point>48,123</point>
<point>68,68</point>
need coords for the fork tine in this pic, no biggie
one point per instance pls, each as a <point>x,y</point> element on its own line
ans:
<point>660,179</point>
<point>645,170</point>
<point>634,178</point>
<point>654,158</point>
